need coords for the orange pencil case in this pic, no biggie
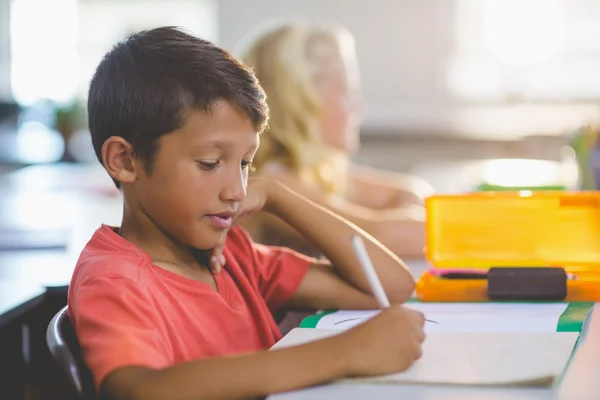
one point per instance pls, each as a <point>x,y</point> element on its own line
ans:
<point>485,230</point>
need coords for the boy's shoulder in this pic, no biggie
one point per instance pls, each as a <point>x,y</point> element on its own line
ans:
<point>108,255</point>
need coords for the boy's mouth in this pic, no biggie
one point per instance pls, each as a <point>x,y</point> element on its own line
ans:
<point>222,220</point>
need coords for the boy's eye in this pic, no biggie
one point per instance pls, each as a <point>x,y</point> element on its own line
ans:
<point>209,166</point>
<point>249,165</point>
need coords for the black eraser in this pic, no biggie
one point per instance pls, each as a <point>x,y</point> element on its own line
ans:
<point>527,283</point>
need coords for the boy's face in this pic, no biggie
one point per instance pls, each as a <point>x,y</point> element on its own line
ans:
<point>199,176</point>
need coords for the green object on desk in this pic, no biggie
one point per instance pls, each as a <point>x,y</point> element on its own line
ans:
<point>488,187</point>
<point>571,320</point>
<point>583,142</point>
<point>312,320</point>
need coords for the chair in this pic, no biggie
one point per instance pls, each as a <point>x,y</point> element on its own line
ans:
<point>64,348</point>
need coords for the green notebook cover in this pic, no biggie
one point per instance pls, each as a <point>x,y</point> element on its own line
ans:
<point>571,320</point>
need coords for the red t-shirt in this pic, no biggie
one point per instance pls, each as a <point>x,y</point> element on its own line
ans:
<point>127,311</point>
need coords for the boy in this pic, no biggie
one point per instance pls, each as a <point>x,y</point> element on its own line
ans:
<point>175,121</point>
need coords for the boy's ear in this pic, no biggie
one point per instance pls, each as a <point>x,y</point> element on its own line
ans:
<point>117,157</point>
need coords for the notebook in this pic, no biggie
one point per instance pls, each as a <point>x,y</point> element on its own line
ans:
<point>473,358</point>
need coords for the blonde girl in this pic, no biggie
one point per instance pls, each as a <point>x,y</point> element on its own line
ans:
<point>310,74</point>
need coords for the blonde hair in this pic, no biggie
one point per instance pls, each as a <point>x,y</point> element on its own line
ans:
<point>288,61</point>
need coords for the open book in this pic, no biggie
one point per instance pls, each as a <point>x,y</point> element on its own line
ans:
<point>474,358</point>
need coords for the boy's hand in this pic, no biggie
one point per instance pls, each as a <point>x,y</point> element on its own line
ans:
<point>217,260</point>
<point>389,342</point>
<point>256,198</point>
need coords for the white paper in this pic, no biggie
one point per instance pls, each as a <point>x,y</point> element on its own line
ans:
<point>473,358</point>
<point>466,317</point>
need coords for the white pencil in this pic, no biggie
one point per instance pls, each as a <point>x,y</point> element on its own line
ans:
<point>370,273</point>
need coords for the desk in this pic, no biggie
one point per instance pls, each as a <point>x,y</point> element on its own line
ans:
<point>46,268</point>
<point>71,201</point>
<point>18,302</point>
<point>17,298</point>
<point>580,382</point>
<point>53,198</point>
<point>25,361</point>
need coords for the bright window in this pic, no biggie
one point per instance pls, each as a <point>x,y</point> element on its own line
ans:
<point>56,45</point>
<point>526,50</point>
<point>44,58</point>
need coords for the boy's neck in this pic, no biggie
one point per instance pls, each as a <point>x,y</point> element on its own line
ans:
<point>161,247</point>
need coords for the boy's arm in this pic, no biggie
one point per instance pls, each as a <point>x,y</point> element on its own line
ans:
<point>332,235</point>
<point>387,343</point>
<point>234,377</point>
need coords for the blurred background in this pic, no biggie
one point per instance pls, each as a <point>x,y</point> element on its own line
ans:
<point>441,79</point>
<point>463,93</point>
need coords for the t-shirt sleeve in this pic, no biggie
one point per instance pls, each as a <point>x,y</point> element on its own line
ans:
<point>278,270</point>
<point>113,321</point>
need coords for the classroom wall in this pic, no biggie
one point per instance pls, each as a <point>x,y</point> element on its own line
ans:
<point>403,48</point>
<point>404,153</point>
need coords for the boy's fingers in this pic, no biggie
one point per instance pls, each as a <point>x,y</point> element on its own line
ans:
<point>217,259</point>
<point>215,266</point>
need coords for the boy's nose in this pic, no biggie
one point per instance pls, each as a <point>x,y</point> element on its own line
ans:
<point>235,189</point>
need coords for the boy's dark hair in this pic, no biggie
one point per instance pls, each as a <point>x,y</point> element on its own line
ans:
<point>144,86</point>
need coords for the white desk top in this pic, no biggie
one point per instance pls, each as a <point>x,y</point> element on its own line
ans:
<point>18,297</point>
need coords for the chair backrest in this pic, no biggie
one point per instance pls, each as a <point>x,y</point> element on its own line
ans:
<point>64,348</point>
